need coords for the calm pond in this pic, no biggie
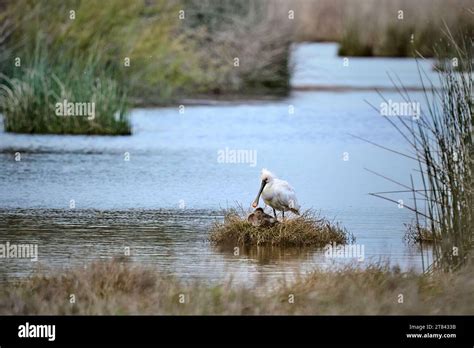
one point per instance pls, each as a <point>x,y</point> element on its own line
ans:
<point>162,200</point>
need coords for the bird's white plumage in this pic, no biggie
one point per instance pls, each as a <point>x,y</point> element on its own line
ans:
<point>278,194</point>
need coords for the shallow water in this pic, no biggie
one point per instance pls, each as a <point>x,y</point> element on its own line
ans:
<point>317,65</point>
<point>162,201</point>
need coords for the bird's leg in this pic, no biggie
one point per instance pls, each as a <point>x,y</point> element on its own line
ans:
<point>275,213</point>
<point>283,215</point>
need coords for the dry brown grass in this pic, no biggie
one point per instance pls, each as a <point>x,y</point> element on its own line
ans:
<point>113,287</point>
<point>304,230</point>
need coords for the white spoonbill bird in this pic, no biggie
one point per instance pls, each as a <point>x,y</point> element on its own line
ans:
<point>277,193</point>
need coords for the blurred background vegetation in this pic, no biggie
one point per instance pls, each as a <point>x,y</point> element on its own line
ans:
<point>374,27</point>
<point>175,55</point>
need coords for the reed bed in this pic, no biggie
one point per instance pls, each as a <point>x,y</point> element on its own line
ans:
<point>441,142</point>
<point>444,146</point>
<point>29,103</point>
<point>376,28</point>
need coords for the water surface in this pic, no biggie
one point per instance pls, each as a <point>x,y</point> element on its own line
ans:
<point>163,200</point>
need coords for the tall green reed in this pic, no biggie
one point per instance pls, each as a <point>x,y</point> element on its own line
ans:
<point>28,99</point>
<point>441,140</point>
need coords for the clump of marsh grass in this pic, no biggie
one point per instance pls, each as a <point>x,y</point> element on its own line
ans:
<point>398,28</point>
<point>120,288</point>
<point>416,234</point>
<point>307,229</point>
<point>391,41</point>
<point>351,43</point>
<point>443,143</point>
<point>29,105</point>
<point>376,24</point>
<point>28,100</point>
<point>441,140</point>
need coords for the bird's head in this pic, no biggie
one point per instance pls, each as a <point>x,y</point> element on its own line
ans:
<point>266,176</point>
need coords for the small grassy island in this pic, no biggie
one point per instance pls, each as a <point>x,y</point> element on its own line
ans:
<point>307,229</point>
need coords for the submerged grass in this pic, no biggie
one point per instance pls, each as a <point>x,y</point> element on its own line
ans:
<point>304,230</point>
<point>113,287</point>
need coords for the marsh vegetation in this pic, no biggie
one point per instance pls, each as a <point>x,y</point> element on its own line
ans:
<point>147,53</point>
<point>163,52</point>
<point>117,287</point>
<point>382,28</point>
<point>304,230</point>
<point>441,143</point>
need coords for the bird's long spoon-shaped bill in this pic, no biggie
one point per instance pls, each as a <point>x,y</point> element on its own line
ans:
<point>262,186</point>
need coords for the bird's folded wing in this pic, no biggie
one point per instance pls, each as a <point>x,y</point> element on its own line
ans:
<point>285,198</point>
<point>285,186</point>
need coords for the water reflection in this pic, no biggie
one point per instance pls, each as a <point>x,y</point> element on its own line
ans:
<point>269,254</point>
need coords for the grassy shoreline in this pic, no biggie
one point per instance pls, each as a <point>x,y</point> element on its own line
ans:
<point>121,288</point>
